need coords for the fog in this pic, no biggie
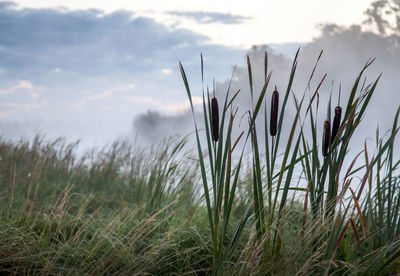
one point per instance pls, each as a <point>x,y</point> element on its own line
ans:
<point>345,51</point>
<point>98,77</point>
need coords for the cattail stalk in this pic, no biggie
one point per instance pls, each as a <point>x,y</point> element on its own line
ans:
<point>336,122</point>
<point>215,119</point>
<point>274,112</point>
<point>326,138</point>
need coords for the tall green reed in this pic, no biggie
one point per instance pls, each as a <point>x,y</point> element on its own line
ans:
<point>224,173</point>
<point>319,168</point>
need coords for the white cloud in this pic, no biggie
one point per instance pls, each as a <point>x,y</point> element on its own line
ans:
<point>107,94</point>
<point>57,70</point>
<point>166,71</point>
<point>27,105</point>
<point>15,105</point>
<point>23,84</point>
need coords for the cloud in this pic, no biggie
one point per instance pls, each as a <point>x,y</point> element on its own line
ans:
<point>19,90</point>
<point>21,85</point>
<point>107,94</point>
<point>166,71</point>
<point>82,58</point>
<point>210,17</point>
<point>7,4</point>
<point>90,42</point>
<point>28,105</point>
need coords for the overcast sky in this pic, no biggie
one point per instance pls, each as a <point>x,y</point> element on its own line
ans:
<point>232,23</point>
<point>85,69</point>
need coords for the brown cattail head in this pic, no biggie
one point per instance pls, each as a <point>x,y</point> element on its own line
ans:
<point>336,122</point>
<point>214,118</point>
<point>326,138</point>
<point>274,112</point>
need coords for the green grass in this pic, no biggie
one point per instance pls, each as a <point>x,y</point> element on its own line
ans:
<point>237,206</point>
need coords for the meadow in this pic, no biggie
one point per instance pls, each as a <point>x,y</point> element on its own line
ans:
<point>235,205</point>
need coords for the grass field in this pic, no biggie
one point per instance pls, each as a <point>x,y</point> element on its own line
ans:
<point>313,208</point>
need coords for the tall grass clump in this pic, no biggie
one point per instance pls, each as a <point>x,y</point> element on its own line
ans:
<point>120,210</point>
<point>224,174</point>
<point>337,212</point>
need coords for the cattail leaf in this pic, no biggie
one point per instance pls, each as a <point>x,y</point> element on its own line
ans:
<point>315,94</point>
<point>238,231</point>
<point>237,140</point>
<point>268,156</point>
<point>286,156</point>
<point>281,116</point>
<point>286,168</point>
<point>289,175</point>
<point>353,225</point>
<point>303,226</point>
<point>360,215</point>
<point>354,89</point>
<point>257,183</point>
<point>338,242</point>
<point>259,102</point>
<point>328,109</point>
<point>202,165</point>
<point>202,68</point>
<point>307,169</point>
<point>314,68</point>
<point>265,65</point>
<point>233,98</point>
<point>335,238</point>
<point>250,77</point>
<point>368,98</point>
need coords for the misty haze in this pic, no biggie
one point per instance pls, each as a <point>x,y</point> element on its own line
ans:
<point>209,138</point>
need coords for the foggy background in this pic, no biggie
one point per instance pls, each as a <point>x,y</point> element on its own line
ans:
<point>345,52</point>
<point>97,77</point>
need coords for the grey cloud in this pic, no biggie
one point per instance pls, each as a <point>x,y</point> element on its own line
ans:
<point>90,43</point>
<point>211,17</point>
<point>6,4</point>
<point>86,41</point>
<point>95,52</point>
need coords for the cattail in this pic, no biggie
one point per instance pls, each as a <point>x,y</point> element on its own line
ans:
<point>215,118</point>
<point>336,122</point>
<point>325,138</point>
<point>274,112</point>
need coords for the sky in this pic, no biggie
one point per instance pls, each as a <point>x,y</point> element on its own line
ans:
<point>232,23</point>
<point>89,69</point>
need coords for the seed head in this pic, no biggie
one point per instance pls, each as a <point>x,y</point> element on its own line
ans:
<point>336,122</point>
<point>214,118</point>
<point>325,138</point>
<point>274,112</point>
